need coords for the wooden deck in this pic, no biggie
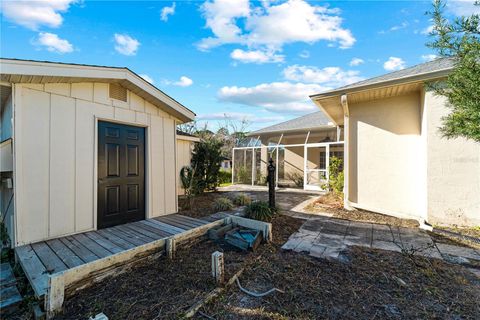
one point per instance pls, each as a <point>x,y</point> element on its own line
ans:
<point>41,259</point>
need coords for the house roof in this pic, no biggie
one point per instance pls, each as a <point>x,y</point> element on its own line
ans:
<point>428,70</point>
<point>31,71</point>
<point>392,84</point>
<point>316,120</point>
<point>186,136</point>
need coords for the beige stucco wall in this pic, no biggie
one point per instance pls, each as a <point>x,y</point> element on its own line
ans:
<point>184,155</point>
<point>453,171</point>
<point>385,166</point>
<point>55,156</point>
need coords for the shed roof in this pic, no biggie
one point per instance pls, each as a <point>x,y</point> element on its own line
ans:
<point>32,71</point>
<point>316,120</point>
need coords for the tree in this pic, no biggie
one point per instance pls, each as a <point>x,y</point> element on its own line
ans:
<point>206,159</point>
<point>459,39</point>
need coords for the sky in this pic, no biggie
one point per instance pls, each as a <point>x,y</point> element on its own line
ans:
<point>253,60</point>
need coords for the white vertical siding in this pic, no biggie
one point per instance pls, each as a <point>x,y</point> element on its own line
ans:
<point>62,164</point>
<point>184,155</point>
<point>55,162</point>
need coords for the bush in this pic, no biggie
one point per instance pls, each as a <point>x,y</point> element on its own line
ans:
<point>243,176</point>
<point>242,199</point>
<point>224,177</point>
<point>259,210</point>
<point>222,204</point>
<point>206,159</point>
<point>336,177</point>
<point>297,178</point>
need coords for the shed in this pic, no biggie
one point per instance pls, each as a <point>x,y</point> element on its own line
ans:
<point>185,144</point>
<point>84,147</point>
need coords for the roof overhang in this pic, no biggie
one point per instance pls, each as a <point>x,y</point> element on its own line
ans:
<point>330,102</point>
<point>26,71</point>
<point>187,138</point>
<point>291,131</point>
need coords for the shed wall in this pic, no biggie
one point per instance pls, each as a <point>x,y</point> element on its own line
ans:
<point>184,155</point>
<point>55,136</point>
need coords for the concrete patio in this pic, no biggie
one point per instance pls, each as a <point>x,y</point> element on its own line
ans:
<point>326,237</point>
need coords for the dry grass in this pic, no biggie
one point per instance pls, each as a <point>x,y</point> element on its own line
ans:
<point>332,204</point>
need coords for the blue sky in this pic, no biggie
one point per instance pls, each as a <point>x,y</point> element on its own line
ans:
<point>257,60</point>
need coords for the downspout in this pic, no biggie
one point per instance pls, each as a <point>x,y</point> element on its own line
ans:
<point>346,156</point>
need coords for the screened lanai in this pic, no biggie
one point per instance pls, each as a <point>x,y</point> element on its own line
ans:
<point>301,149</point>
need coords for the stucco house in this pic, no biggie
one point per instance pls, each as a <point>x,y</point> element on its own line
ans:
<point>84,147</point>
<point>300,147</point>
<point>396,161</point>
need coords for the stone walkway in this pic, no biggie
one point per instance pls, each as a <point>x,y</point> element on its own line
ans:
<point>326,237</point>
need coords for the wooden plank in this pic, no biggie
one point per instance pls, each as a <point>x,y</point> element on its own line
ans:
<point>158,227</point>
<point>125,236</point>
<point>33,268</point>
<point>157,231</point>
<point>115,239</point>
<point>10,298</point>
<point>107,244</point>
<point>48,257</point>
<point>187,223</point>
<point>138,229</point>
<point>168,227</point>
<point>174,223</point>
<point>132,235</point>
<point>6,275</point>
<point>197,222</point>
<point>91,245</point>
<point>64,253</point>
<point>82,252</point>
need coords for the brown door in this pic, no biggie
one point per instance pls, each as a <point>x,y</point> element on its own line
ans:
<point>121,174</point>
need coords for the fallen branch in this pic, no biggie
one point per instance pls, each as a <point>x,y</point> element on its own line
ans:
<point>257,295</point>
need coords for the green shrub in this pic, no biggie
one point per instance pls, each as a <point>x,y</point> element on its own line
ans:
<point>242,199</point>
<point>243,176</point>
<point>222,204</point>
<point>259,210</point>
<point>336,177</point>
<point>206,159</point>
<point>224,177</point>
<point>297,178</point>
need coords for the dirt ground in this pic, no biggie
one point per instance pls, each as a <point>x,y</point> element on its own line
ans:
<point>333,205</point>
<point>372,284</point>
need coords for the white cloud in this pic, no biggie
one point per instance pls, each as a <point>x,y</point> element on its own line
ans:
<point>394,63</point>
<point>33,14</point>
<point>167,11</point>
<point>429,57</point>
<point>53,43</point>
<point>269,26</point>
<point>239,116</point>
<point>147,78</point>
<point>184,82</point>
<point>256,56</point>
<point>330,76</point>
<point>427,30</point>
<point>304,54</point>
<point>126,45</point>
<point>463,7</point>
<point>275,96</point>
<point>356,62</point>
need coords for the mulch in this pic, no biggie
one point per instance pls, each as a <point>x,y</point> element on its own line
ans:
<point>368,284</point>
<point>332,205</point>
<point>202,205</point>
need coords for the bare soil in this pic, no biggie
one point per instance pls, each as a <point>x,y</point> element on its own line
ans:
<point>371,284</point>
<point>334,205</point>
